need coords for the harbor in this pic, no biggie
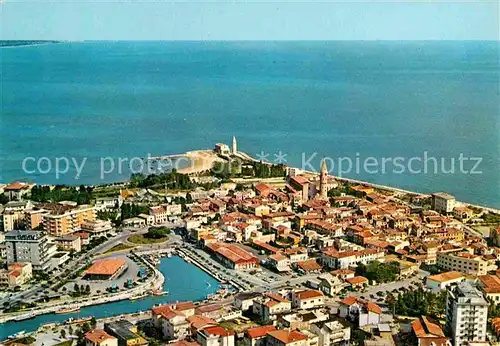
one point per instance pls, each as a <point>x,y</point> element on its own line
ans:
<point>183,282</point>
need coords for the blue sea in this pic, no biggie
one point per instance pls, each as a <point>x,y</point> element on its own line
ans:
<point>305,99</point>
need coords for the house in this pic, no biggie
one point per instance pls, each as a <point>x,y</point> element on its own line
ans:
<point>330,285</point>
<point>332,332</point>
<point>17,190</point>
<point>215,336</point>
<point>343,273</point>
<point>307,299</point>
<point>428,332</point>
<point>366,312</point>
<point>125,332</point>
<point>279,262</point>
<point>244,300</point>
<point>308,266</point>
<point>490,285</point>
<point>16,274</point>
<point>285,337</point>
<point>257,336</point>
<point>172,320</point>
<point>99,337</point>
<point>270,305</point>
<point>439,282</point>
<point>357,282</point>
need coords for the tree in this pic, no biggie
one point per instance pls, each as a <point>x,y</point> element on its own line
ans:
<point>93,322</point>
<point>63,334</point>
<point>70,330</point>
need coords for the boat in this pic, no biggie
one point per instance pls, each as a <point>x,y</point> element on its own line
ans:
<point>141,296</point>
<point>17,335</point>
<point>25,317</point>
<point>159,292</point>
<point>208,284</point>
<point>68,310</point>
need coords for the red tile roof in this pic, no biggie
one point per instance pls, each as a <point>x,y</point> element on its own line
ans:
<point>107,266</point>
<point>259,332</point>
<point>286,336</point>
<point>97,336</point>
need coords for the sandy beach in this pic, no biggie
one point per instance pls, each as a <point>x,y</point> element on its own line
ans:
<point>200,161</point>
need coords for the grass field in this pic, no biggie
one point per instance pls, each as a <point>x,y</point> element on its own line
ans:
<point>142,240</point>
<point>119,247</point>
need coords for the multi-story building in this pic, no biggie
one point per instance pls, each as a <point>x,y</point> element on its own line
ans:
<point>29,246</point>
<point>215,336</point>
<point>108,203</point>
<point>172,319</point>
<point>331,333</point>
<point>345,259</point>
<point>428,332</point>
<point>463,262</point>
<point>126,333</point>
<point>99,337</point>
<point>490,285</point>
<point>284,337</point>
<point>271,305</point>
<point>69,243</point>
<point>63,219</point>
<point>466,314</point>
<point>307,299</point>
<point>443,202</point>
<point>16,274</point>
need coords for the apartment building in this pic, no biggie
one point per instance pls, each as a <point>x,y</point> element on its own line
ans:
<point>331,332</point>
<point>463,262</point>
<point>466,314</point>
<point>443,202</point>
<point>64,219</point>
<point>215,336</point>
<point>344,259</point>
<point>307,299</point>
<point>31,247</point>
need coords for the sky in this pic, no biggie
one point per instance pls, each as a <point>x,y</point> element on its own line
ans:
<point>249,20</point>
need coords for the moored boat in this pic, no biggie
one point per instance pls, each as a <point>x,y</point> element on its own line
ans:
<point>68,310</point>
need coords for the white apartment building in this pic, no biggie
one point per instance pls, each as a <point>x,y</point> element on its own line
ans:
<point>466,314</point>
<point>443,202</point>
<point>31,247</point>
<point>463,262</point>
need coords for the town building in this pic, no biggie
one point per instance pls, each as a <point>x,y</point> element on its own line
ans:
<point>428,332</point>
<point>64,219</point>
<point>490,285</point>
<point>31,247</point>
<point>69,243</point>
<point>233,256</point>
<point>462,262</point>
<point>106,269</point>
<point>215,336</point>
<point>307,299</point>
<point>108,203</point>
<point>98,337</point>
<point>16,274</point>
<point>16,191</point>
<point>125,332</point>
<point>441,281</point>
<point>257,336</point>
<point>270,305</point>
<point>443,202</point>
<point>466,314</point>
<point>96,228</point>
<point>365,312</point>
<point>331,332</point>
<point>285,337</point>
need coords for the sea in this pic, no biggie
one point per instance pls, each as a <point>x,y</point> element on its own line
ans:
<point>90,104</point>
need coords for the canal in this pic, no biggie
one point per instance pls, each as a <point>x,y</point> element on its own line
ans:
<point>183,281</point>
